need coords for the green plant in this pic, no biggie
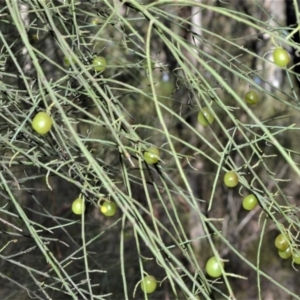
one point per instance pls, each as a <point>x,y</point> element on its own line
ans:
<point>144,64</point>
<point>251,97</point>
<point>214,267</point>
<point>148,284</point>
<point>231,179</point>
<point>174,213</point>
<point>205,116</point>
<point>42,122</point>
<point>78,206</point>
<point>67,61</point>
<point>99,63</point>
<point>151,156</point>
<point>108,208</point>
<point>250,202</point>
<point>281,57</point>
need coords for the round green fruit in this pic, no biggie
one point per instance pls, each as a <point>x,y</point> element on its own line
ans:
<point>148,284</point>
<point>281,57</point>
<point>78,206</point>
<point>282,242</point>
<point>285,254</point>
<point>296,258</point>
<point>96,21</point>
<point>67,61</point>
<point>35,37</point>
<point>99,63</point>
<point>151,156</point>
<point>205,116</point>
<point>250,202</point>
<point>108,208</point>
<point>166,84</point>
<point>214,267</point>
<point>42,123</point>
<point>251,97</point>
<point>166,88</point>
<point>231,179</point>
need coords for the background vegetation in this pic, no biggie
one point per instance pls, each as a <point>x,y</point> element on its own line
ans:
<point>166,60</point>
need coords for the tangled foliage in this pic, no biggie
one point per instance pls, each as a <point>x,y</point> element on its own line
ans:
<point>147,113</point>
